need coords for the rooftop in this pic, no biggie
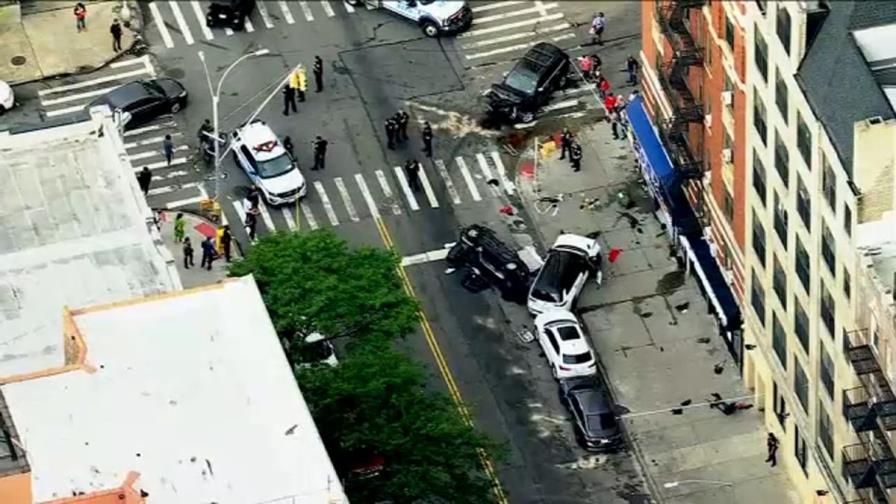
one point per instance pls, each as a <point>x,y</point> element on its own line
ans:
<point>836,75</point>
<point>74,230</point>
<point>876,243</point>
<point>190,390</point>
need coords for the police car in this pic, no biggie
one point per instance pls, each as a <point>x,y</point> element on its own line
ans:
<point>267,164</point>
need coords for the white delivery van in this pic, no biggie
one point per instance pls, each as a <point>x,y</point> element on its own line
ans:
<point>434,17</point>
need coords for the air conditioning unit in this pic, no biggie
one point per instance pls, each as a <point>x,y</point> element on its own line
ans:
<point>727,155</point>
<point>727,97</point>
<point>707,120</point>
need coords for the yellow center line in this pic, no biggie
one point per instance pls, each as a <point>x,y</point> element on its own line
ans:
<point>442,363</point>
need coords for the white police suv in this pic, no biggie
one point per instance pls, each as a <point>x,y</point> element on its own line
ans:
<point>261,155</point>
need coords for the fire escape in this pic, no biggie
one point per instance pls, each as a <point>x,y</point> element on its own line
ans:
<point>673,76</point>
<point>871,410</point>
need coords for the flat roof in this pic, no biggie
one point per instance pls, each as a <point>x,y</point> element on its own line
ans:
<point>877,245</point>
<point>74,230</point>
<point>192,391</point>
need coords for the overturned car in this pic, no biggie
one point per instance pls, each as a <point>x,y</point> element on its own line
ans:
<point>489,262</point>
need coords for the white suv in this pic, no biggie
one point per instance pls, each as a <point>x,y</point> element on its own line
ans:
<point>260,154</point>
<point>561,278</point>
<point>564,344</point>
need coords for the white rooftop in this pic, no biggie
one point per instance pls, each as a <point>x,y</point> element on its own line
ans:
<point>192,391</point>
<point>74,230</point>
<point>877,245</point>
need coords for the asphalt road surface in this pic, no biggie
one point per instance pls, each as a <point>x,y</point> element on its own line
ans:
<point>374,64</point>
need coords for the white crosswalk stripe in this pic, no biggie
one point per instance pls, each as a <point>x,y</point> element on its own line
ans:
<point>468,178</point>
<point>510,26</point>
<point>249,26</point>
<point>449,184</point>
<point>512,13</point>
<point>346,199</point>
<point>200,18</point>
<point>238,206</point>
<point>483,167</point>
<point>427,189</point>
<point>328,9</point>
<point>263,10</point>
<point>266,216</point>
<point>403,183</point>
<point>155,191</point>
<point>496,5</point>
<point>387,191</point>
<point>287,14</point>
<point>181,22</point>
<point>325,200</point>
<point>348,7</point>
<point>306,10</point>
<point>368,198</point>
<point>159,22</point>
<point>516,36</point>
<point>288,217</point>
<point>509,187</point>
<point>306,212</point>
<point>92,82</point>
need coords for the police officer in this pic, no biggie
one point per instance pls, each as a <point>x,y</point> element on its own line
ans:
<point>402,118</point>
<point>289,99</point>
<point>318,70</point>
<point>320,153</point>
<point>391,132</point>
<point>575,156</point>
<point>427,139</point>
<point>412,167</point>
<point>565,143</point>
<point>254,197</point>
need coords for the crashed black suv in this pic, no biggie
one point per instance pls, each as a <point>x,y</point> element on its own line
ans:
<point>489,262</point>
<point>529,85</point>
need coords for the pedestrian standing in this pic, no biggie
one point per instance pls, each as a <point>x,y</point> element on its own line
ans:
<point>143,180</point>
<point>614,123</point>
<point>320,153</point>
<point>575,156</point>
<point>168,148</point>
<point>289,99</point>
<point>226,241</point>
<point>402,118</point>
<point>587,66</point>
<point>302,83</point>
<point>253,199</point>
<point>632,66</point>
<point>288,147</point>
<point>412,167</point>
<point>620,103</point>
<point>208,253</point>
<point>603,86</point>
<point>318,71</point>
<point>179,227</point>
<point>597,29</point>
<point>188,253</point>
<point>427,139</point>
<point>251,223</point>
<point>772,444</point>
<point>391,132</point>
<point>115,30</point>
<point>610,103</point>
<point>80,16</point>
<point>565,143</point>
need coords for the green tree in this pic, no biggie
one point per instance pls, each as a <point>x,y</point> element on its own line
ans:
<point>376,402</point>
<point>313,282</point>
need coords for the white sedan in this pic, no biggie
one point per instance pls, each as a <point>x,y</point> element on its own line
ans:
<point>564,344</point>
<point>563,274</point>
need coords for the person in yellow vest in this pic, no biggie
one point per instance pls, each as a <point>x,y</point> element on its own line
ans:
<point>299,81</point>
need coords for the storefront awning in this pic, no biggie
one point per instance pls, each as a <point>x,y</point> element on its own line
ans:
<point>651,151</point>
<point>717,289</point>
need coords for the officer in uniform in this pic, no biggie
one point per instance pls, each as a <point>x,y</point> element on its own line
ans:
<point>412,167</point>
<point>427,139</point>
<point>289,99</point>
<point>391,132</point>
<point>575,156</point>
<point>318,70</point>
<point>320,153</point>
<point>402,118</point>
<point>565,143</point>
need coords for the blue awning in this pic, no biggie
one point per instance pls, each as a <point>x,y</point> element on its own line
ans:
<point>650,150</point>
<point>712,281</point>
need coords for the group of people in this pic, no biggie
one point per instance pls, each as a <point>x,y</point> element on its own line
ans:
<point>209,250</point>
<point>397,132</point>
<point>569,146</point>
<point>297,85</point>
<point>80,13</point>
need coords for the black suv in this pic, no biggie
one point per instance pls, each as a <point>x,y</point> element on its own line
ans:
<point>543,70</point>
<point>485,256</point>
<point>595,422</point>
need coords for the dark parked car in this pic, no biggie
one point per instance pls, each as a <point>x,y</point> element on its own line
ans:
<point>230,14</point>
<point>529,85</point>
<point>594,421</point>
<point>479,250</point>
<point>145,100</point>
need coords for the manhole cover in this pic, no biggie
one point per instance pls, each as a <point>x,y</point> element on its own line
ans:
<point>18,60</point>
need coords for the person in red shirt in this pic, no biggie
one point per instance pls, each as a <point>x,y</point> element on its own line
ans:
<point>604,87</point>
<point>610,103</point>
<point>81,16</point>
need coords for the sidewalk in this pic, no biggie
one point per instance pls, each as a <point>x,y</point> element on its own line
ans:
<point>656,339</point>
<point>46,43</point>
<point>196,229</point>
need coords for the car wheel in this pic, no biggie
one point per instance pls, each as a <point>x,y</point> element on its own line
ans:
<point>526,117</point>
<point>580,439</point>
<point>175,108</point>
<point>430,29</point>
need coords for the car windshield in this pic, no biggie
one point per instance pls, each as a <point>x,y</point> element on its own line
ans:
<point>567,333</point>
<point>577,358</point>
<point>274,167</point>
<point>522,79</point>
<point>601,422</point>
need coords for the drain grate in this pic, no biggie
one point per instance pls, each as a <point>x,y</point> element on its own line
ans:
<point>18,60</point>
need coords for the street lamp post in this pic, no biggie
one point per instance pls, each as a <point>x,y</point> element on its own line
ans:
<point>215,92</point>
<point>673,484</point>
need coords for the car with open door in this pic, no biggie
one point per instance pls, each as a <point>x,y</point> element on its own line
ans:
<point>144,100</point>
<point>529,85</point>
<point>569,263</point>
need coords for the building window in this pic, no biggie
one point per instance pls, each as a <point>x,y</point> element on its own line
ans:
<point>729,33</point>
<point>801,325</point>
<point>825,431</point>
<point>779,406</point>
<point>757,299</point>
<point>847,220</point>
<point>784,28</point>
<point>801,385</point>
<point>728,206</point>
<point>829,184</point>
<point>780,219</point>
<point>804,139</point>
<point>827,310</point>
<point>782,160</point>
<point>779,341</point>
<point>759,121</point>
<point>827,249</point>
<point>759,177</point>
<point>803,204</point>
<point>759,239</point>
<point>803,269</point>
<point>779,283</point>
<point>781,96</point>
<point>847,284</point>
<point>799,450</point>
<point>827,372</point>
<point>760,54</point>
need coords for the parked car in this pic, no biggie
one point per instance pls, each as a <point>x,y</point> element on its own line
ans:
<point>315,351</point>
<point>144,100</point>
<point>567,266</point>
<point>258,151</point>
<point>231,14</point>
<point>564,345</point>
<point>480,250</point>
<point>7,97</point>
<point>594,421</point>
<point>530,83</point>
<point>434,17</point>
